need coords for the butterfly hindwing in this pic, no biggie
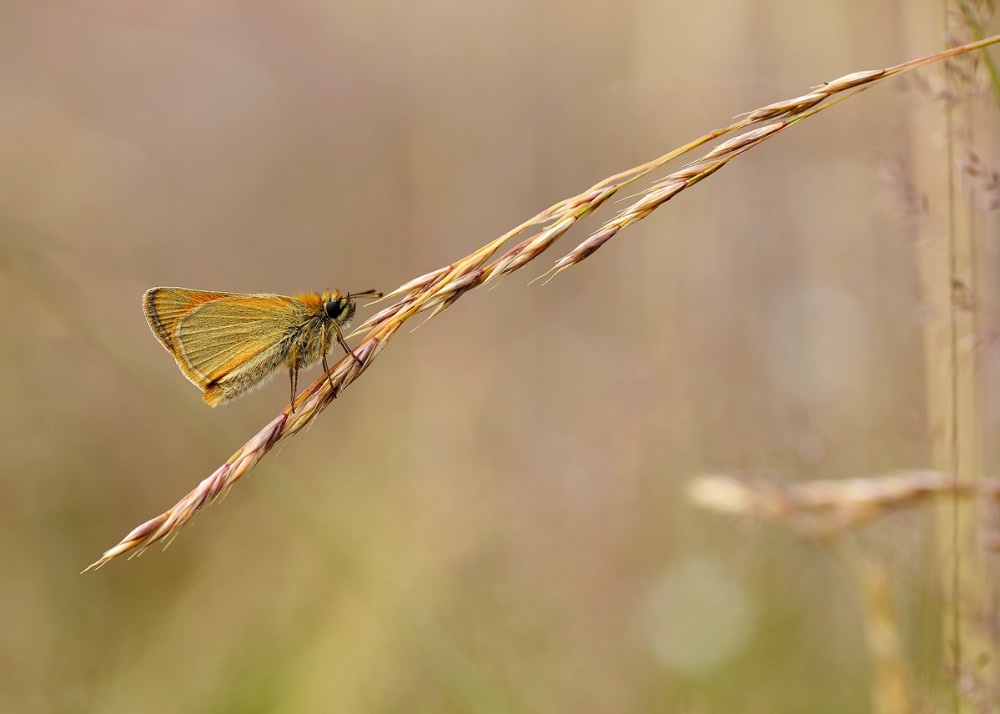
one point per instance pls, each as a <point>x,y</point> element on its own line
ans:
<point>225,343</point>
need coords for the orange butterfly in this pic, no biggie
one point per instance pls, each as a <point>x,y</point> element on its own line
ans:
<point>229,343</point>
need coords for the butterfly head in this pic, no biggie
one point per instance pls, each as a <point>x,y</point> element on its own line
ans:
<point>339,308</point>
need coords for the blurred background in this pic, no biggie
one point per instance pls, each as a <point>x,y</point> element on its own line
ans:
<point>494,518</point>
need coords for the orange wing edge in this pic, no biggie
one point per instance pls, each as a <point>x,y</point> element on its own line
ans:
<point>163,329</point>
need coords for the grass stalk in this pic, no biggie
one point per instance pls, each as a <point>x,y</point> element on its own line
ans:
<point>947,240</point>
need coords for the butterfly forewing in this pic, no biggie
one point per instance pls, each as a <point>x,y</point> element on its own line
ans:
<point>229,339</point>
<point>164,307</point>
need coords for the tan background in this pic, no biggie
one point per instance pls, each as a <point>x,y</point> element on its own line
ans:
<point>494,518</point>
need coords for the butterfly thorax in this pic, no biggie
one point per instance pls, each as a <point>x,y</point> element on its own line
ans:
<point>323,314</point>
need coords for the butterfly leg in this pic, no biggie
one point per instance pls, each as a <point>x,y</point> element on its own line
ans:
<point>343,343</point>
<point>293,372</point>
<point>329,377</point>
<point>326,367</point>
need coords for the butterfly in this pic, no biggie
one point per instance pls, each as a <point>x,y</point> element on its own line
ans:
<point>230,343</point>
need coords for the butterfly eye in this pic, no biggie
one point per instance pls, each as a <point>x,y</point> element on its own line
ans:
<point>335,308</point>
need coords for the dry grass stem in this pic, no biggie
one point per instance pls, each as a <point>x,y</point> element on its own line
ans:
<point>892,682</point>
<point>822,508</point>
<point>974,16</point>
<point>439,289</point>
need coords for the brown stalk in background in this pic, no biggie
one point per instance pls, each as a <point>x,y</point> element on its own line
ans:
<point>820,509</point>
<point>437,290</point>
